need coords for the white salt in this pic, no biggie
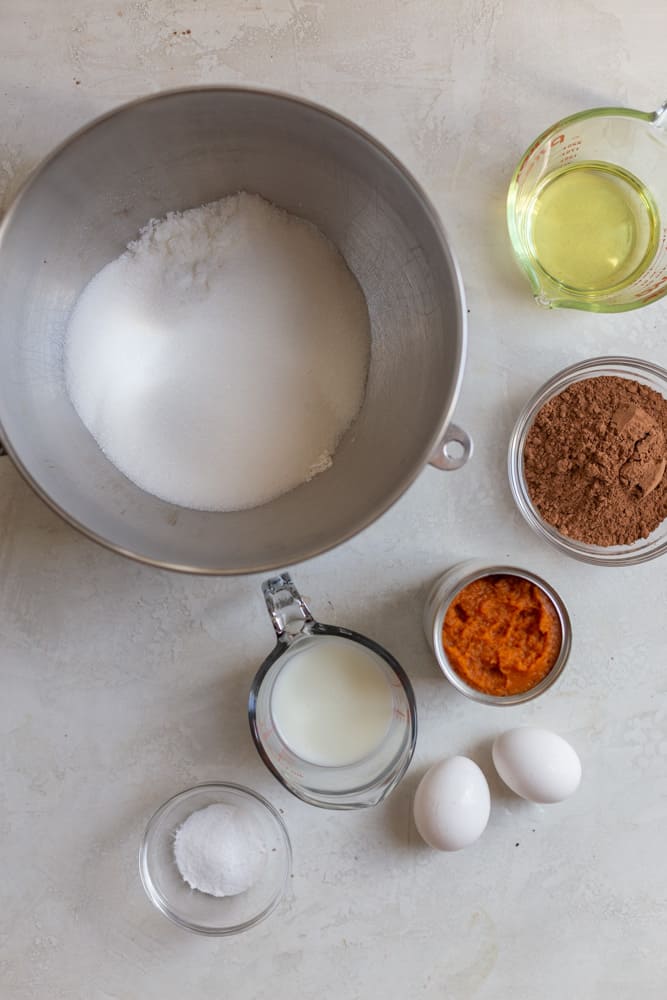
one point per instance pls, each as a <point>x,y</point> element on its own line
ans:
<point>219,851</point>
<point>219,360</point>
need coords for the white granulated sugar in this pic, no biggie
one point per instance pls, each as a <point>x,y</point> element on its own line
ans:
<point>220,359</point>
<point>219,851</point>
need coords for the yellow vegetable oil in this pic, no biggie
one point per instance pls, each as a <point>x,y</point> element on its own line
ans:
<point>592,226</point>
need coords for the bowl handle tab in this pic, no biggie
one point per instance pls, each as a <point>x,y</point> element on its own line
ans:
<point>453,450</point>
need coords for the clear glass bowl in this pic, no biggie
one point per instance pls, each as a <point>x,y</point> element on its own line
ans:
<point>613,555</point>
<point>442,594</point>
<point>197,911</point>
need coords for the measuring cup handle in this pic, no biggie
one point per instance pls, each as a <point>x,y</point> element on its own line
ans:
<point>289,612</point>
<point>660,116</point>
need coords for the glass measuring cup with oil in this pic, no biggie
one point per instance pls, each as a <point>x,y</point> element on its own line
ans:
<point>331,712</point>
<point>587,210</point>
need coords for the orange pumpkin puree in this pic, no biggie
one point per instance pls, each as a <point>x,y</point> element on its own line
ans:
<point>501,634</point>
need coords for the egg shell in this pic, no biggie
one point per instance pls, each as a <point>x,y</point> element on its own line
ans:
<point>452,804</point>
<point>537,764</point>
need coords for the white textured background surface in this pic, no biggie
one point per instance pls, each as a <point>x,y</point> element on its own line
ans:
<point>122,685</point>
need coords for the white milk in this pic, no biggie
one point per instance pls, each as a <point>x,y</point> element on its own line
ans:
<point>332,702</point>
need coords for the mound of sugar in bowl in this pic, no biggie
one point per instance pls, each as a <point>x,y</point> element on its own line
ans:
<point>219,361</point>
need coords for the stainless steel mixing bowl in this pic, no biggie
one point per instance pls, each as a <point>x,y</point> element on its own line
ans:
<point>175,151</point>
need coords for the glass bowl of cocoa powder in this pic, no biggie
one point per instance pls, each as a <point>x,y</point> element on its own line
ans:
<point>587,461</point>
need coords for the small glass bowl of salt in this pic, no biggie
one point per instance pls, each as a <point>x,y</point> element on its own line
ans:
<point>216,859</point>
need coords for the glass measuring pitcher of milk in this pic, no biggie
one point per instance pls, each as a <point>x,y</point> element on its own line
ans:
<point>331,712</point>
<point>587,210</point>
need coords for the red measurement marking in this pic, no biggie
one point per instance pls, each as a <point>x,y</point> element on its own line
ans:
<point>650,298</point>
<point>655,291</point>
<point>655,276</point>
<point>526,158</point>
<point>649,277</point>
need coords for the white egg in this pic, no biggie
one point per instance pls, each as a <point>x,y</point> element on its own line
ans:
<point>537,764</point>
<point>452,804</point>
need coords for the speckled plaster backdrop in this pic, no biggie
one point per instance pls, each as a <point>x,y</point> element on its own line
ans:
<point>122,685</point>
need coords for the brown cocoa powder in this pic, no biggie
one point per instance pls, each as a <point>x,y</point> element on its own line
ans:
<point>595,458</point>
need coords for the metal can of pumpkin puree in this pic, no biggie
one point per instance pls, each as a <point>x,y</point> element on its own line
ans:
<point>443,592</point>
